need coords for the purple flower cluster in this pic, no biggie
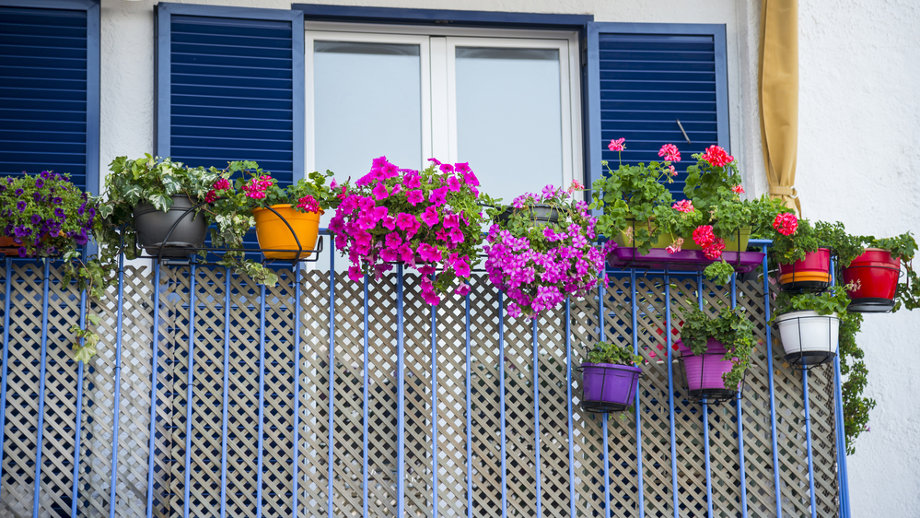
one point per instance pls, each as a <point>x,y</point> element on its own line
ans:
<point>541,265</point>
<point>45,213</point>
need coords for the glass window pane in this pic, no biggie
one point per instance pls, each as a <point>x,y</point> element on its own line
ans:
<point>367,104</point>
<point>509,118</point>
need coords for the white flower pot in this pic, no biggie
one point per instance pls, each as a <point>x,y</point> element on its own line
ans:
<point>808,338</point>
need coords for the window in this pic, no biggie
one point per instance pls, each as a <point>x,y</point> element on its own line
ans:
<point>501,100</point>
<point>49,89</point>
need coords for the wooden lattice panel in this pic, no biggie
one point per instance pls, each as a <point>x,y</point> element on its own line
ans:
<point>486,320</point>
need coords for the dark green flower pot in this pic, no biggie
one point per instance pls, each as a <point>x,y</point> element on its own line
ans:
<point>153,228</point>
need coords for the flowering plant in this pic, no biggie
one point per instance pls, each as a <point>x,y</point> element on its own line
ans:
<point>539,263</point>
<point>732,328</point>
<point>634,196</point>
<point>242,187</point>
<point>429,220</point>
<point>45,215</point>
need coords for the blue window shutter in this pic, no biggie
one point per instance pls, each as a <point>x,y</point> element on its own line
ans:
<point>642,79</point>
<point>230,87</point>
<point>49,88</point>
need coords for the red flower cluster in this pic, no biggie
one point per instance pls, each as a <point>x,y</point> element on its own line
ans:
<point>712,246</point>
<point>221,184</point>
<point>786,223</point>
<point>717,156</point>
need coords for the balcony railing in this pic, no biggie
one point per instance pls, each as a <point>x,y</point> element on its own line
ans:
<point>213,396</point>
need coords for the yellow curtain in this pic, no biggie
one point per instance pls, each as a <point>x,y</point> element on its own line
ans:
<point>779,96</point>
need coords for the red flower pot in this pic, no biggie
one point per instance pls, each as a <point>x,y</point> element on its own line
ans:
<point>875,274</point>
<point>809,274</point>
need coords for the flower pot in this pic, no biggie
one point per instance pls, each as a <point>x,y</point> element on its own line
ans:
<point>808,338</point>
<point>625,237</point>
<point>8,246</point>
<point>608,387</point>
<point>704,372</point>
<point>178,232</point>
<point>277,236</point>
<point>809,274</point>
<point>539,213</point>
<point>875,274</point>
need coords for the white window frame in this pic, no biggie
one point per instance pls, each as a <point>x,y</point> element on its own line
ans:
<point>438,52</point>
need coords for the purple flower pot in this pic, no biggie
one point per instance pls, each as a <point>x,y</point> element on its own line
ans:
<point>704,372</point>
<point>608,387</point>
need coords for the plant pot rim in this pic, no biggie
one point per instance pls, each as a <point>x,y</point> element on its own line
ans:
<point>286,206</point>
<point>618,366</point>
<point>809,313</point>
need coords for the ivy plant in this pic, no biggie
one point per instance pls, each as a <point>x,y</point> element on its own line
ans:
<point>732,328</point>
<point>608,352</point>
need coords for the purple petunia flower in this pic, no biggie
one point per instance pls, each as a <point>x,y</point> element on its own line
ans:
<point>19,192</point>
<point>59,214</point>
<point>37,196</point>
<point>39,183</point>
<point>21,206</point>
<point>36,219</point>
<point>45,174</point>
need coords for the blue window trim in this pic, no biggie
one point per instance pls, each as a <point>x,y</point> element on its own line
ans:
<point>91,7</point>
<point>442,17</point>
<point>592,80</point>
<point>163,65</point>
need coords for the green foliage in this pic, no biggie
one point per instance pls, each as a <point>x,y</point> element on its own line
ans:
<point>630,198</point>
<point>902,247</point>
<point>708,185</point>
<point>607,352</point>
<point>732,328</point>
<point>719,272</point>
<point>834,300</point>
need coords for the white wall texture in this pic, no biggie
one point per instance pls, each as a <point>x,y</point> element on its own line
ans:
<point>859,128</point>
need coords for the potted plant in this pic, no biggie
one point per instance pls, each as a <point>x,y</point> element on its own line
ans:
<point>540,262</point>
<point>715,352</point>
<point>802,251</point>
<point>286,218</point>
<point>155,204</point>
<point>610,377</point>
<point>45,215</point>
<point>429,220</point>
<point>633,197</point>
<point>873,276</point>
<point>809,324</point>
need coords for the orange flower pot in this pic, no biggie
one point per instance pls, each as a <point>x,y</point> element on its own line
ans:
<point>8,246</point>
<point>277,240</point>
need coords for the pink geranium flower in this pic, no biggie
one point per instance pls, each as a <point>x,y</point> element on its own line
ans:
<point>617,144</point>
<point>717,156</point>
<point>669,152</point>
<point>786,223</point>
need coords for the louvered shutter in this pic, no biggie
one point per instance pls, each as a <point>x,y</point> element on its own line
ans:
<point>49,89</point>
<point>230,87</point>
<point>642,79</point>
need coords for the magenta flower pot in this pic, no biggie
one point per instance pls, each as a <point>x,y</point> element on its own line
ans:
<point>704,372</point>
<point>608,387</point>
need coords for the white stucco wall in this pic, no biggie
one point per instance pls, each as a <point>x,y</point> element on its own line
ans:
<point>859,125</point>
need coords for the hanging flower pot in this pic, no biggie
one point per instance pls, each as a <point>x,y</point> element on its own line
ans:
<point>8,246</point>
<point>286,233</point>
<point>808,337</point>
<point>875,277</point>
<point>704,372</point>
<point>609,387</point>
<point>178,232</point>
<point>809,274</point>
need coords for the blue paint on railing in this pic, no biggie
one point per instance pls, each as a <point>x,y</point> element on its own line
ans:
<point>434,411</point>
<point>638,402</point>
<point>37,481</point>
<point>331,408</point>
<point>400,401</point>
<point>740,418</point>
<point>839,426</point>
<point>190,387</point>
<point>601,333</point>
<point>671,418</point>
<point>78,418</point>
<point>705,405</point>
<point>569,402</point>
<point>7,306</point>
<point>501,401</point>
<point>365,412</point>
<point>261,415</point>
<point>536,415</point>
<point>155,354</point>
<point>769,350</point>
<point>469,413</point>
<point>225,400</point>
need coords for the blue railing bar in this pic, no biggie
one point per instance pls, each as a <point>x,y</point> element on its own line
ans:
<point>620,272</point>
<point>119,329</point>
<point>225,402</point>
<point>811,472</point>
<point>743,476</point>
<point>706,456</point>
<point>41,389</point>
<point>568,390</point>
<point>189,393</point>
<point>365,412</point>
<point>400,400</point>
<point>501,400</point>
<point>536,412</point>
<point>296,489</point>
<point>331,409</point>
<point>8,288</point>
<point>842,477</point>
<point>260,427</point>
<point>601,324</point>
<point>667,318</point>
<point>769,346</point>
<point>151,440</point>
<point>469,416</point>
<point>434,411</point>
<point>78,419</point>
<point>638,403</point>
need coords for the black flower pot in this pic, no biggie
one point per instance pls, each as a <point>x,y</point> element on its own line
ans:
<point>153,228</point>
<point>539,213</point>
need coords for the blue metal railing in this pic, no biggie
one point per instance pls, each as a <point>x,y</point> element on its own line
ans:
<point>298,496</point>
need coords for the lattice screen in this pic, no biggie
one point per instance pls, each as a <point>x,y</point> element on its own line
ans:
<point>279,420</point>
